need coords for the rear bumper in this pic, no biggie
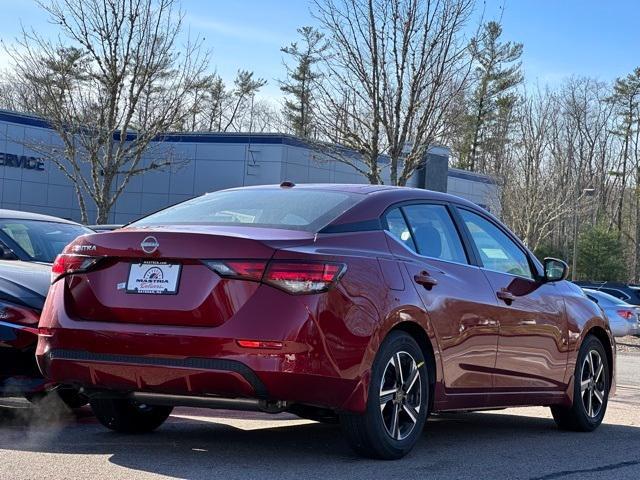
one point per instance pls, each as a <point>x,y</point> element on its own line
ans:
<point>193,377</point>
<point>312,367</point>
<point>189,376</point>
<point>621,327</point>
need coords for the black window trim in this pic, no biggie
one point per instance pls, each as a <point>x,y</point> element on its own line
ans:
<point>535,274</point>
<point>471,254</point>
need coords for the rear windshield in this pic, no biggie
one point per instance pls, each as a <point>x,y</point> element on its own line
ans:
<point>307,210</point>
<point>604,298</point>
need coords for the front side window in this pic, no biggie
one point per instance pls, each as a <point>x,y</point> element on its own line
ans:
<point>434,232</point>
<point>497,251</point>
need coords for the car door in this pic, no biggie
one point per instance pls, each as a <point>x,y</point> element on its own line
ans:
<point>456,295</point>
<point>532,346</point>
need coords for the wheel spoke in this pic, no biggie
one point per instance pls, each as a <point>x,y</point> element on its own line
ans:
<point>395,433</point>
<point>411,412</point>
<point>590,407</point>
<point>399,375</point>
<point>386,396</point>
<point>591,365</point>
<point>411,381</point>
<point>599,395</point>
<point>584,385</point>
<point>599,371</point>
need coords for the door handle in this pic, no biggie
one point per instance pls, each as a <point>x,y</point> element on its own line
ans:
<point>426,280</point>
<point>506,296</point>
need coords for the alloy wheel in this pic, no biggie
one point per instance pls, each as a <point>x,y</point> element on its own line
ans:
<point>400,395</point>
<point>593,384</point>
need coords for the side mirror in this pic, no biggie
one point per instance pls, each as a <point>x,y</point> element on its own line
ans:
<point>555,270</point>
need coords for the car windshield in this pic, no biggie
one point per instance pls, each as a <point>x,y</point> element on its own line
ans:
<point>604,298</point>
<point>307,210</point>
<point>41,241</point>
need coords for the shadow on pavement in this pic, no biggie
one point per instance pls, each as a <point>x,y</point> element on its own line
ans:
<point>474,445</point>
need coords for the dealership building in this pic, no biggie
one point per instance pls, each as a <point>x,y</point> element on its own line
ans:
<point>201,162</point>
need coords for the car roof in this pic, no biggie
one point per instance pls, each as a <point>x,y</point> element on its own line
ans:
<point>361,188</point>
<point>399,193</point>
<point>19,215</point>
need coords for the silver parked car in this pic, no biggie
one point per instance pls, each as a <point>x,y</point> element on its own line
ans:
<point>624,318</point>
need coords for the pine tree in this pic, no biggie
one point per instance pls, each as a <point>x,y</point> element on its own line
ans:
<point>498,71</point>
<point>600,255</point>
<point>301,77</point>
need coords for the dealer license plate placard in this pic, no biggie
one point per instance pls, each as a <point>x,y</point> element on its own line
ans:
<point>155,278</point>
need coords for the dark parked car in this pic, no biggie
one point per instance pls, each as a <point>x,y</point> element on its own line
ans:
<point>32,237</point>
<point>376,305</point>
<point>627,292</point>
<point>23,288</point>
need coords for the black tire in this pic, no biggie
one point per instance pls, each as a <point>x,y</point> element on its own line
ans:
<point>578,418</point>
<point>70,397</point>
<point>373,433</point>
<point>128,416</point>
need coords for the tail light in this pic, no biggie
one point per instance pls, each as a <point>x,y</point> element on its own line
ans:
<point>18,316</point>
<point>626,314</point>
<point>68,263</point>
<point>303,277</point>
<point>242,269</point>
<point>260,344</point>
<point>290,276</point>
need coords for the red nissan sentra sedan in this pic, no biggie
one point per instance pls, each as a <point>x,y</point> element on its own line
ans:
<point>370,304</point>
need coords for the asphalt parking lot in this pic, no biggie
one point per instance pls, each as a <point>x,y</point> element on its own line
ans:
<point>51,443</point>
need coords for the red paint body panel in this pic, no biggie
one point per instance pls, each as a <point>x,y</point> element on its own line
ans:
<point>485,353</point>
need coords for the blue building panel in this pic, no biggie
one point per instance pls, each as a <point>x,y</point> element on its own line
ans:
<point>201,162</point>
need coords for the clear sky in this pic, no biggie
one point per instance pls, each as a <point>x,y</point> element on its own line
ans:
<point>599,38</point>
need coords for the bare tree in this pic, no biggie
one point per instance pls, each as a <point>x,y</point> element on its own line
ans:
<point>389,78</point>
<point>113,81</point>
<point>530,203</point>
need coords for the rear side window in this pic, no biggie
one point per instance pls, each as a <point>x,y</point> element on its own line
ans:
<point>434,232</point>
<point>397,227</point>
<point>307,210</point>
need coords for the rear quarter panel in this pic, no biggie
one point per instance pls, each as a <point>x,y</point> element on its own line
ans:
<point>354,318</point>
